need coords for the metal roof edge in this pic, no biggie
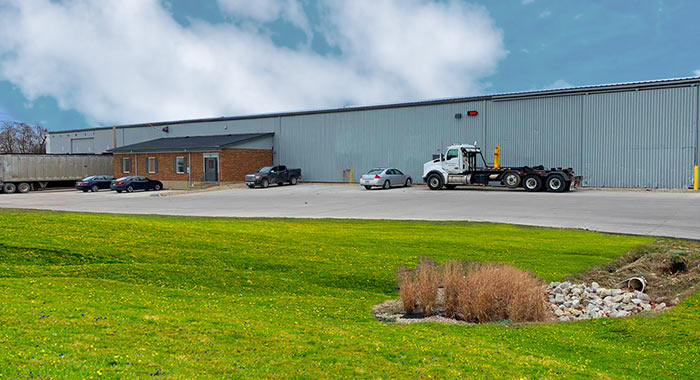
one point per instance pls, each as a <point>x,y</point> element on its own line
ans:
<point>672,82</point>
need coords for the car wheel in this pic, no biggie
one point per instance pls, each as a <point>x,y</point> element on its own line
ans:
<point>9,188</point>
<point>532,183</point>
<point>386,185</point>
<point>368,187</point>
<point>265,184</point>
<point>408,182</point>
<point>511,180</point>
<point>119,191</point>
<point>293,181</point>
<point>250,186</point>
<point>129,189</point>
<point>435,182</point>
<point>556,183</point>
<point>157,187</point>
<point>95,188</point>
<point>85,190</point>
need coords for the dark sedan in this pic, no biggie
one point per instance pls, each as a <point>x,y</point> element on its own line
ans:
<point>94,183</point>
<point>131,184</point>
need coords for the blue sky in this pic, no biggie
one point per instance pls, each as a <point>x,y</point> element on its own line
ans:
<point>69,65</point>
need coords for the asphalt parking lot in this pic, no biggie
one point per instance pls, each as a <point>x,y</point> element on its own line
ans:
<point>675,214</point>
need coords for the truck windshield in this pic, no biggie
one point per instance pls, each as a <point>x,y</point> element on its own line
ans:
<point>265,169</point>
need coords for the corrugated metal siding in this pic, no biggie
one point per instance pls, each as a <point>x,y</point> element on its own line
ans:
<point>25,167</point>
<point>324,145</point>
<point>640,138</point>
<point>536,131</point>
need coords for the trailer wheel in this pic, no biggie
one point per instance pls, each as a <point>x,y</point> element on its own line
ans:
<point>556,183</point>
<point>532,183</point>
<point>511,180</point>
<point>23,188</point>
<point>9,188</point>
<point>435,182</point>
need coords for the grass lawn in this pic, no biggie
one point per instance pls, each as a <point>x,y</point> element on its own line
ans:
<point>110,296</point>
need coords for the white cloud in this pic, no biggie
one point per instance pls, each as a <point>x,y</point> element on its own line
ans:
<point>526,2</point>
<point>558,84</point>
<point>269,10</point>
<point>129,61</point>
<point>546,13</point>
<point>697,73</point>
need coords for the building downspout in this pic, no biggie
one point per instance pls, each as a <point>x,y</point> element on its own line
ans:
<point>697,142</point>
<point>189,170</point>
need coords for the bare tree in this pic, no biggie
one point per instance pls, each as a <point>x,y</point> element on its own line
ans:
<point>16,137</point>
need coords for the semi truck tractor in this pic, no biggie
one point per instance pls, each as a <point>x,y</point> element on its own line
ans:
<point>25,172</point>
<point>459,166</point>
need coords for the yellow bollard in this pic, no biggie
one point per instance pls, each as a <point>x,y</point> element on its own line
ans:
<point>351,177</point>
<point>695,181</point>
<point>497,157</point>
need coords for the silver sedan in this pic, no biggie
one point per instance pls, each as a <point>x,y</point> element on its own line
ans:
<point>385,178</point>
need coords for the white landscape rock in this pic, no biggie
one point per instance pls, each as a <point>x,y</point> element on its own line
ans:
<point>574,302</point>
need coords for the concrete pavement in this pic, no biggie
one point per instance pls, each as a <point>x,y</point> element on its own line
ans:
<point>674,214</point>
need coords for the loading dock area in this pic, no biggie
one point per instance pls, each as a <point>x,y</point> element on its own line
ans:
<point>674,214</point>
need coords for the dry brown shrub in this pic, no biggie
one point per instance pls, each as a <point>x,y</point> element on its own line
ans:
<point>427,285</point>
<point>494,292</point>
<point>407,289</point>
<point>452,278</point>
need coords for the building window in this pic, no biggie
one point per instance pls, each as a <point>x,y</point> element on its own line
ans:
<point>126,164</point>
<point>180,165</point>
<point>152,165</point>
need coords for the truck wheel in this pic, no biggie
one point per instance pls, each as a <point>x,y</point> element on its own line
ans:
<point>435,182</point>
<point>9,188</point>
<point>265,183</point>
<point>293,181</point>
<point>386,185</point>
<point>532,183</point>
<point>368,187</point>
<point>511,180</point>
<point>23,188</point>
<point>568,186</point>
<point>129,189</point>
<point>95,188</point>
<point>556,183</point>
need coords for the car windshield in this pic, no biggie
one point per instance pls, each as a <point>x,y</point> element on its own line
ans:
<point>265,169</point>
<point>375,171</point>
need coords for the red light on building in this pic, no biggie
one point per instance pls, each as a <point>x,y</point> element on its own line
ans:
<point>472,113</point>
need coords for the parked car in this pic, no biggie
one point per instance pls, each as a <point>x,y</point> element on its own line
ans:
<point>267,175</point>
<point>385,178</point>
<point>94,183</point>
<point>131,184</point>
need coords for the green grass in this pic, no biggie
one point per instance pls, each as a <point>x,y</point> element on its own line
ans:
<point>110,296</point>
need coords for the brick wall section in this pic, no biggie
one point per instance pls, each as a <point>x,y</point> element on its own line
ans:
<point>234,164</point>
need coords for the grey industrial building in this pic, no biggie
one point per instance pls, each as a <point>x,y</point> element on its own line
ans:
<point>642,134</point>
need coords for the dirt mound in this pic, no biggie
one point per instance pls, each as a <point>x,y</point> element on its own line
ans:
<point>671,269</point>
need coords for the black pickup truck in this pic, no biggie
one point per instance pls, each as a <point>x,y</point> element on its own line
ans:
<point>273,174</point>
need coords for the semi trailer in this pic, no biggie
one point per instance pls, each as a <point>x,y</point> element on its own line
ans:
<point>25,172</point>
<point>459,166</point>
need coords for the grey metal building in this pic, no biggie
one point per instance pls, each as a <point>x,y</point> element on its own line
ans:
<point>642,134</point>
